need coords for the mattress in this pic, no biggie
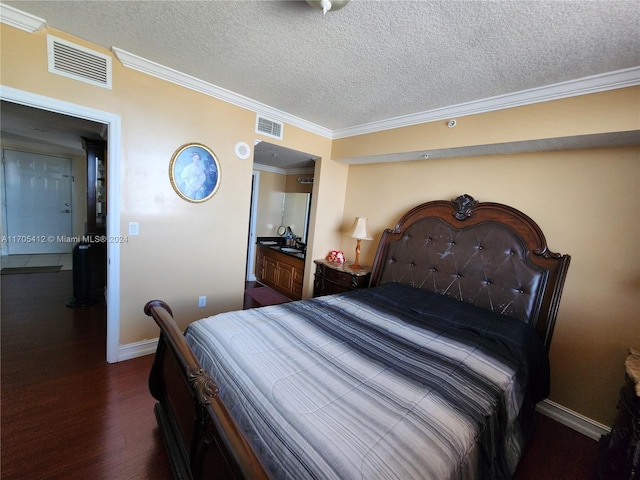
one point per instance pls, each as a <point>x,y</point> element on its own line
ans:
<point>385,383</point>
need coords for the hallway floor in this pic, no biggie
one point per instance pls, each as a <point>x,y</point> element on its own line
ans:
<point>39,260</point>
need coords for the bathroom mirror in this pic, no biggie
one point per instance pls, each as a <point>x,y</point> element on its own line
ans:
<point>295,213</point>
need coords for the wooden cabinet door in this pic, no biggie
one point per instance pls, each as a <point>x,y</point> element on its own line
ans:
<point>260,268</point>
<point>271,270</point>
<point>280,272</point>
<point>285,277</point>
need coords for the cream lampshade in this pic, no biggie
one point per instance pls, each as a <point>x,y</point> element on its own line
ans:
<point>360,232</point>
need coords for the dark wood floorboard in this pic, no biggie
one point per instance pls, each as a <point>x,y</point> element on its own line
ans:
<point>248,301</point>
<point>556,452</point>
<point>67,414</point>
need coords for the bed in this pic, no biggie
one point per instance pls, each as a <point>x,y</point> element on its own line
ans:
<point>432,372</point>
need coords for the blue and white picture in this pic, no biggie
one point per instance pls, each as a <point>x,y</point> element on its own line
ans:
<point>194,172</point>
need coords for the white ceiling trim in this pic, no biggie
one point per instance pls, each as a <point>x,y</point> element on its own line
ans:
<point>140,64</point>
<point>582,86</point>
<point>19,19</point>
<point>577,142</point>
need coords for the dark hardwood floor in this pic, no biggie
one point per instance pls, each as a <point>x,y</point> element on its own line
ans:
<point>248,301</point>
<point>67,414</point>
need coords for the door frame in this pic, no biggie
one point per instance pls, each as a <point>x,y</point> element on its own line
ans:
<point>253,213</point>
<point>113,121</point>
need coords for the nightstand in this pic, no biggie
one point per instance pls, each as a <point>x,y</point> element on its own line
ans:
<point>331,277</point>
<point>620,449</point>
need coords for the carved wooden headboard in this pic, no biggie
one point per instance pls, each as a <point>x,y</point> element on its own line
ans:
<point>487,254</point>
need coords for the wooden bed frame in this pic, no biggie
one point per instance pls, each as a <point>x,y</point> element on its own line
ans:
<point>487,254</point>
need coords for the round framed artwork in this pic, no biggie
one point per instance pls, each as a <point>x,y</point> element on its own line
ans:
<point>194,172</point>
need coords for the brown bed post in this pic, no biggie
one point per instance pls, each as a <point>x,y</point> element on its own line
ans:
<point>202,439</point>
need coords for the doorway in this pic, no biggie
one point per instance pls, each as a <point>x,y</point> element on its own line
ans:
<point>266,211</point>
<point>111,124</point>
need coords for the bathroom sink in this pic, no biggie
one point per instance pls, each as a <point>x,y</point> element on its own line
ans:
<point>290,250</point>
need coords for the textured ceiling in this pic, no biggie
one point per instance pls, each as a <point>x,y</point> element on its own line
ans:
<point>370,61</point>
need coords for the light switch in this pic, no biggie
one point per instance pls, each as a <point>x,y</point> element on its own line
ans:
<point>134,228</point>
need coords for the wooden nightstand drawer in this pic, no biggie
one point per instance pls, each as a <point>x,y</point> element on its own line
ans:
<point>343,278</point>
<point>336,278</point>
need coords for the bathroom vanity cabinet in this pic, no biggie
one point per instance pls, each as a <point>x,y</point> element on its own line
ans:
<point>280,270</point>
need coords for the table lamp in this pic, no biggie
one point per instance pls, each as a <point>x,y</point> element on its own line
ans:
<point>359,232</point>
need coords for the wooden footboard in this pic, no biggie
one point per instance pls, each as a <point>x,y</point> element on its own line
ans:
<point>202,439</point>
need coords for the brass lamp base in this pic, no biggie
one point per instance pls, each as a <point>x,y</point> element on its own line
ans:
<point>356,264</point>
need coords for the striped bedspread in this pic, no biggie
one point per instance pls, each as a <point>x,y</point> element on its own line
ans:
<point>382,383</point>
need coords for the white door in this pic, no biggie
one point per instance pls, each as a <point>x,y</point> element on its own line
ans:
<point>38,189</point>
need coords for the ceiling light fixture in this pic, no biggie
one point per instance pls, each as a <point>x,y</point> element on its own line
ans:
<point>326,5</point>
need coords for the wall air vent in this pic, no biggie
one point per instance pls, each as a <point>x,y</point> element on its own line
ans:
<point>73,61</point>
<point>268,127</point>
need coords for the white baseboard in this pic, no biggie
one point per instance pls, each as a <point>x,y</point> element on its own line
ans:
<point>137,349</point>
<point>573,420</point>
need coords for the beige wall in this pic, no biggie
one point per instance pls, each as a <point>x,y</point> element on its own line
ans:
<point>294,186</point>
<point>586,201</point>
<point>184,250</point>
<point>612,111</point>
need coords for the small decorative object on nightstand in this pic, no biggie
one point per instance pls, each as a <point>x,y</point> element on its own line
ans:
<point>334,277</point>
<point>620,450</point>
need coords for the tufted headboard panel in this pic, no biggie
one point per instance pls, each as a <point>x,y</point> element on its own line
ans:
<point>487,254</point>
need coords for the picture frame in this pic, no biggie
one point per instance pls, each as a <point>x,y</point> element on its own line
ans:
<point>194,172</point>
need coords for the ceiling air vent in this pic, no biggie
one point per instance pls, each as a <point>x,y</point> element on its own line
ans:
<point>73,61</point>
<point>269,127</point>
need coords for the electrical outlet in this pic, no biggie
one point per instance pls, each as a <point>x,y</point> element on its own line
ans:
<point>202,301</point>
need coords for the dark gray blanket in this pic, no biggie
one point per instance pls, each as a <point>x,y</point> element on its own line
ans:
<point>382,383</point>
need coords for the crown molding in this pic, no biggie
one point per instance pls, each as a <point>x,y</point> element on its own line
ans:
<point>597,83</point>
<point>140,64</point>
<point>19,19</point>
<point>582,86</point>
